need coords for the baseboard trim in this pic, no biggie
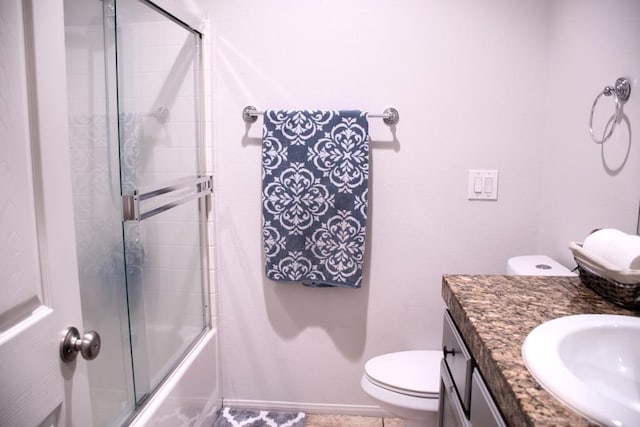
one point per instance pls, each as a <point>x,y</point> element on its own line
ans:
<point>309,408</point>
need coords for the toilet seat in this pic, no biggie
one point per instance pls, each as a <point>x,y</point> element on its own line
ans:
<point>412,373</point>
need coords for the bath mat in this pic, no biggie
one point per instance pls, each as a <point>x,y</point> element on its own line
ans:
<point>230,417</point>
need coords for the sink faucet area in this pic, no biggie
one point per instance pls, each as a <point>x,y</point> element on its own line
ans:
<point>591,363</point>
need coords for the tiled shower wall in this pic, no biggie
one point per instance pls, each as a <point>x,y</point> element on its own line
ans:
<point>156,72</point>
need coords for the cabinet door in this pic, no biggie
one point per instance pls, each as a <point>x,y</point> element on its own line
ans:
<point>484,412</point>
<point>450,413</point>
<point>458,359</point>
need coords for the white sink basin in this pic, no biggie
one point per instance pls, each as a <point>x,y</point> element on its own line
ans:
<point>590,362</point>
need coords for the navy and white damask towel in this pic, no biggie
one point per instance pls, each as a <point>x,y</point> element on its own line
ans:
<point>315,177</point>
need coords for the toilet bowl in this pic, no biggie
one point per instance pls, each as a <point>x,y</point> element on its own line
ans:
<point>405,384</point>
<point>536,265</point>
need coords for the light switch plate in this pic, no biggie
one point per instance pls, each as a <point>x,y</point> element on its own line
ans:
<point>483,185</point>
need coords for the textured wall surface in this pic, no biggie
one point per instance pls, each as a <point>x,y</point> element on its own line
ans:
<point>584,185</point>
<point>469,82</point>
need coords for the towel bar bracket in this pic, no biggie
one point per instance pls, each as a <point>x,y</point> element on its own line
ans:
<point>250,114</point>
<point>391,116</point>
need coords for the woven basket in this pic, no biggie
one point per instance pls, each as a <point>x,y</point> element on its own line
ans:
<point>626,295</point>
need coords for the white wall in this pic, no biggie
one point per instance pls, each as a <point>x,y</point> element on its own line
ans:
<point>586,186</point>
<point>468,79</point>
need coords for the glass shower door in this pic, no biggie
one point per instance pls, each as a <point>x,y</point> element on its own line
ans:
<point>95,174</point>
<point>163,188</point>
<point>139,194</point>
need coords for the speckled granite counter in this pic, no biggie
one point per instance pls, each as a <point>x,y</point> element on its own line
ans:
<point>495,314</point>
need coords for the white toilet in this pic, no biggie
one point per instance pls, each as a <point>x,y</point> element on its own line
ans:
<point>405,384</point>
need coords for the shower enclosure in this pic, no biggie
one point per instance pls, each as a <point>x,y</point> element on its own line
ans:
<point>141,196</point>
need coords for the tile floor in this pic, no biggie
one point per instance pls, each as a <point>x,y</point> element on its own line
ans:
<point>350,421</point>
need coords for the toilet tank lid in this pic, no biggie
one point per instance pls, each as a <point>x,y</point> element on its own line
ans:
<point>537,265</point>
<point>416,370</point>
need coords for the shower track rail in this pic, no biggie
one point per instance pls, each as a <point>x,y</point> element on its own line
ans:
<point>186,189</point>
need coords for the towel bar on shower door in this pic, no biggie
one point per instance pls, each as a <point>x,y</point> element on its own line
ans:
<point>187,189</point>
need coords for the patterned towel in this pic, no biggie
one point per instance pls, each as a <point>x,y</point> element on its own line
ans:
<point>315,176</point>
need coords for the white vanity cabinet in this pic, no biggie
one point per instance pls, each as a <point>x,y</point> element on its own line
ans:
<point>464,398</point>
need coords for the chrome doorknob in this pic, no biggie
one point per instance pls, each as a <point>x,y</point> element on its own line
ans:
<point>88,345</point>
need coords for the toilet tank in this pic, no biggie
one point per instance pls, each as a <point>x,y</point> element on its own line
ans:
<point>536,265</point>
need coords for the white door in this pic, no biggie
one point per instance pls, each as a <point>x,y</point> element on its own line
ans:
<point>39,294</point>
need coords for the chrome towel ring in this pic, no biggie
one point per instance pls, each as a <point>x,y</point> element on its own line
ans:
<point>621,92</point>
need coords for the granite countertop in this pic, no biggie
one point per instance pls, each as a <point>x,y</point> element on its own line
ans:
<point>496,313</point>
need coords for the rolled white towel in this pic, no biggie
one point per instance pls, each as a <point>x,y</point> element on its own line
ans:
<point>624,251</point>
<point>598,242</point>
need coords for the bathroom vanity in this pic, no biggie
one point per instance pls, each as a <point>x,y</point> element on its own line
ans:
<point>493,315</point>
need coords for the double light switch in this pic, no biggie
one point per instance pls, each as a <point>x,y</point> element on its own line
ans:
<point>483,185</point>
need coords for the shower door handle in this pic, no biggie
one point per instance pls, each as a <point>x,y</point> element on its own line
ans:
<point>186,189</point>
<point>88,345</point>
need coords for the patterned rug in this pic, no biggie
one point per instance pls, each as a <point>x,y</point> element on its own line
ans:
<point>230,417</point>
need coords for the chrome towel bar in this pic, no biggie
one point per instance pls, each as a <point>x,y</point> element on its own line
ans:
<point>188,189</point>
<point>390,116</point>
